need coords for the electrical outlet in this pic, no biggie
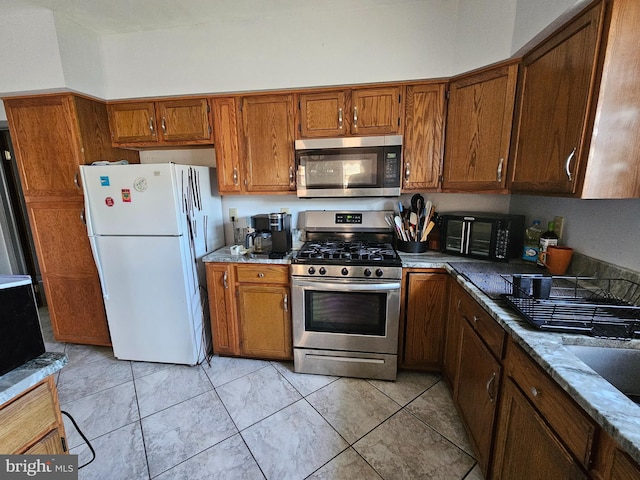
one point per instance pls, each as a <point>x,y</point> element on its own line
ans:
<point>558,226</point>
<point>233,213</point>
<point>284,210</point>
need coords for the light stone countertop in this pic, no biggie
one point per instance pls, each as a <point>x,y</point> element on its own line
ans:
<point>27,375</point>
<point>607,406</point>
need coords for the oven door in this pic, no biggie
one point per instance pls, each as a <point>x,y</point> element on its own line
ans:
<point>357,315</point>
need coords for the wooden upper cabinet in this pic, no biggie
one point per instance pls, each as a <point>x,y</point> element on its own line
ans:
<point>358,111</point>
<point>267,143</point>
<point>172,122</point>
<point>423,136</point>
<point>225,113</point>
<point>53,135</point>
<point>479,120</point>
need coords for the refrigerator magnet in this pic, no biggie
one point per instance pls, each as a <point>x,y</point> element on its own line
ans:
<point>140,184</point>
<point>104,181</point>
<point>109,201</point>
<point>126,195</point>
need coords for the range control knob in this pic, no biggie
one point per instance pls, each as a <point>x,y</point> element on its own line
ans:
<point>322,270</point>
<point>367,272</point>
<point>311,270</point>
<point>344,271</point>
<point>379,272</point>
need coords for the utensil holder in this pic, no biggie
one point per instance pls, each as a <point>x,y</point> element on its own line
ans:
<point>411,247</point>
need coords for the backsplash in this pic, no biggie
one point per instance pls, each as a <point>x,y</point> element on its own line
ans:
<point>584,266</point>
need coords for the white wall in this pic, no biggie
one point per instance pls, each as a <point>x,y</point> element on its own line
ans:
<point>605,229</point>
<point>483,33</point>
<point>377,41</point>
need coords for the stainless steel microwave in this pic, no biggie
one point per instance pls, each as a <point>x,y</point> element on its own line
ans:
<point>349,167</point>
<point>490,236</point>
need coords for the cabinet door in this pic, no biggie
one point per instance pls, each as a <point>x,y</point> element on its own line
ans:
<point>479,119</point>
<point>69,273</point>
<point>452,335</point>
<point>556,84</point>
<point>185,120</point>
<point>375,111</point>
<point>50,444</point>
<point>425,317</point>
<point>525,446</point>
<point>133,122</point>
<point>476,391</point>
<point>423,136</point>
<point>225,133</point>
<point>224,329</point>
<point>265,321</point>
<point>47,145</point>
<point>267,124</point>
<point>322,114</point>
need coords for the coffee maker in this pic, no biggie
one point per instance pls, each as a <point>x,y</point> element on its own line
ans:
<point>280,226</point>
<point>260,238</point>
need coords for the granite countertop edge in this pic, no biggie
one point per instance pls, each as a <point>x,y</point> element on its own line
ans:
<point>30,373</point>
<point>607,406</point>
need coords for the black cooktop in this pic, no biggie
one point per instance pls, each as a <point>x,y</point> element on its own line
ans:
<point>338,252</point>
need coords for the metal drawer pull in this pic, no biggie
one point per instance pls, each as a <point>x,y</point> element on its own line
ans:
<point>489,383</point>
<point>225,280</point>
<point>340,118</point>
<point>260,275</point>
<point>500,163</point>
<point>475,319</point>
<point>534,391</point>
<point>567,166</point>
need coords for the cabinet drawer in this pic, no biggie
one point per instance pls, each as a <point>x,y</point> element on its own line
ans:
<point>568,420</point>
<point>488,329</point>
<point>27,418</point>
<point>262,274</point>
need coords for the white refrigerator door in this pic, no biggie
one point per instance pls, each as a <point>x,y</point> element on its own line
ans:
<point>132,199</point>
<point>151,299</point>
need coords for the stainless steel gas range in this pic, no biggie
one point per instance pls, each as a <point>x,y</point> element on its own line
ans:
<point>346,296</point>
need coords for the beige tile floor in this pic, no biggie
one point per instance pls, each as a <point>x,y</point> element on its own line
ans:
<point>253,419</point>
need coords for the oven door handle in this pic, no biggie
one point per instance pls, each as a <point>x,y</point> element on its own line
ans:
<point>368,286</point>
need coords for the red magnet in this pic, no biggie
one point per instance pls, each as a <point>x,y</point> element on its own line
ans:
<point>109,201</point>
<point>126,195</point>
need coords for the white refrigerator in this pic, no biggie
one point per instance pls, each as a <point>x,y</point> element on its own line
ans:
<point>149,226</point>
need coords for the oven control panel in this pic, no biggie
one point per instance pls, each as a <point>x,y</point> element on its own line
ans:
<point>349,271</point>
<point>351,218</point>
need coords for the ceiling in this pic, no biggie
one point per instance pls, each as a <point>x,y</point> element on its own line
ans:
<point>124,16</point>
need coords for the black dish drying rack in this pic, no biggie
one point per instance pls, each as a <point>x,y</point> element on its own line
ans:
<point>600,307</point>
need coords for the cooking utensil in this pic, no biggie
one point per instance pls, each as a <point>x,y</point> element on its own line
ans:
<point>400,227</point>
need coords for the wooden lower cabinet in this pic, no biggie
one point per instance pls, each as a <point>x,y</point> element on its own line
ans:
<point>425,312</point>
<point>32,423</point>
<point>250,310</point>
<point>69,274</point>
<point>526,448</point>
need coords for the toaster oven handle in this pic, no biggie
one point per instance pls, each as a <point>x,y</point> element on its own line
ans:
<point>463,237</point>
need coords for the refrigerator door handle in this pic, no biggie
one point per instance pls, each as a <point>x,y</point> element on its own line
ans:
<point>96,257</point>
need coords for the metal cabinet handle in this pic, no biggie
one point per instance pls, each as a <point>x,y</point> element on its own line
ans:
<point>225,280</point>
<point>340,123</point>
<point>500,163</point>
<point>291,176</point>
<point>534,391</point>
<point>260,275</point>
<point>355,117</point>
<point>235,175</point>
<point>286,302</point>
<point>407,172</point>
<point>490,382</point>
<point>164,126</point>
<point>82,217</point>
<point>151,127</point>
<point>459,303</point>
<point>567,166</point>
<point>475,319</point>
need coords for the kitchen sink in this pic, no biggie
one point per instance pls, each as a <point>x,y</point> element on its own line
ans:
<point>619,366</point>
